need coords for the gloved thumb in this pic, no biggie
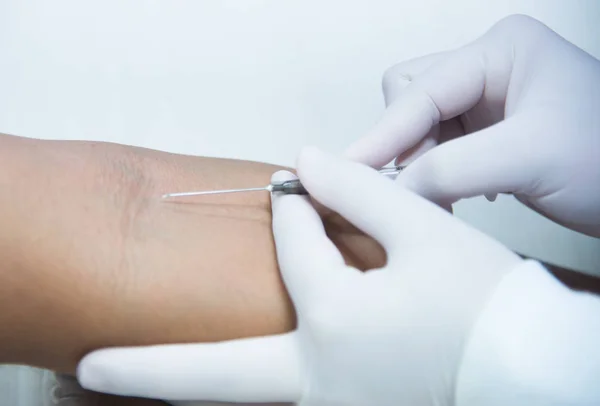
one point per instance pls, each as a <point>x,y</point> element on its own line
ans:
<point>498,159</point>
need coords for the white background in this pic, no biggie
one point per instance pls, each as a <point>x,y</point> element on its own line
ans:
<point>252,79</point>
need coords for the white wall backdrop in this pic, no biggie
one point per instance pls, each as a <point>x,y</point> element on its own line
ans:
<point>252,79</point>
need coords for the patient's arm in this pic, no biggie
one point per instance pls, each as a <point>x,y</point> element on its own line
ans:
<point>93,258</point>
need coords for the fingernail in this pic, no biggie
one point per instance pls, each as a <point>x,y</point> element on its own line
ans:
<point>91,377</point>
<point>282,176</point>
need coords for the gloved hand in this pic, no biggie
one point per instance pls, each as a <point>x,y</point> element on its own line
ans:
<point>389,336</point>
<point>529,102</point>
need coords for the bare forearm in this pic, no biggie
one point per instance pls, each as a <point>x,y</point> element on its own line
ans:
<point>122,267</point>
<point>42,299</point>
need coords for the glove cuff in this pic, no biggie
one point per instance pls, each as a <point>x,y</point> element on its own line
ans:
<point>535,343</point>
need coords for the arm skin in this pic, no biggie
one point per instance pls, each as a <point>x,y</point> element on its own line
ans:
<point>93,258</point>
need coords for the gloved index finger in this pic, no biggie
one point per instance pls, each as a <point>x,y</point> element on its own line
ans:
<point>450,87</point>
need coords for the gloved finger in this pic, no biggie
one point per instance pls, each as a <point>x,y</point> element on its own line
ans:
<point>428,142</point>
<point>447,89</point>
<point>399,76</point>
<point>493,160</point>
<point>395,80</point>
<point>264,369</point>
<point>394,216</point>
<point>440,133</point>
<point>308,259</point>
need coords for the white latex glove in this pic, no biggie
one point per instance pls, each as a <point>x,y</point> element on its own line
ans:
<point>390,336</point>
<point>530,102</point>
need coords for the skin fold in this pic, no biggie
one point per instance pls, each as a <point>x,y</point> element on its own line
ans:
<point>92,257</point>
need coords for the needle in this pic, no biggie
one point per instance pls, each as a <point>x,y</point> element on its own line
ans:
<point>288,187</point>
<point>217,192</point>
